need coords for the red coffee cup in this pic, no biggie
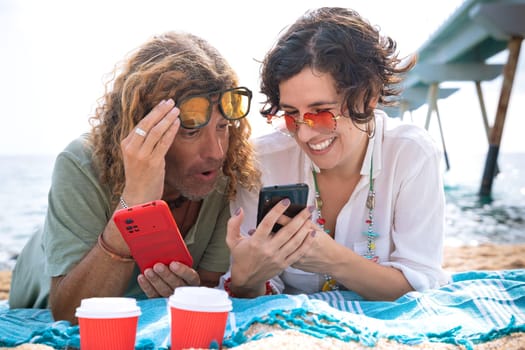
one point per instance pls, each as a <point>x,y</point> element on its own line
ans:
<point>108,323</point>
<point>198,317</point>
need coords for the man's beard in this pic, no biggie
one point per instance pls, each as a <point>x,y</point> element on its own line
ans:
<point>189,189</point>
<point>195,197</point>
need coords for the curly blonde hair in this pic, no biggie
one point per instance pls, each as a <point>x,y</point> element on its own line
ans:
<point>172,65</point>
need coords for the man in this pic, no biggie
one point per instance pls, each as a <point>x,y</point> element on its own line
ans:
<point>171,126</point>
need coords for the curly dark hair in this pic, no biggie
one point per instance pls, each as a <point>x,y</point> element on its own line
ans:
<point>171,65</point>
<point>338,41</point>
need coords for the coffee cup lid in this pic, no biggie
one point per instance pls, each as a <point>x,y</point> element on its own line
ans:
<point>200,299</point>
<point>108,307</point>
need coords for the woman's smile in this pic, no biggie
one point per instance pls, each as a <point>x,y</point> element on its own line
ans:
<point>321,146</point>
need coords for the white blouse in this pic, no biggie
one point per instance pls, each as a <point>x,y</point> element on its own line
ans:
<point>409,202</point>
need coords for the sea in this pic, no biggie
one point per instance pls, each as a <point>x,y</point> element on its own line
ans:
<point>470,219</point>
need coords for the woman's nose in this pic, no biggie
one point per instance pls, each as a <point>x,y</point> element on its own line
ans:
<point>304,130</point>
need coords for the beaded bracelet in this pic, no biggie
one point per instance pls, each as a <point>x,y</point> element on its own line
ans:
<point>112,254</point>
<point>123,203</point>
<point>228,281</point>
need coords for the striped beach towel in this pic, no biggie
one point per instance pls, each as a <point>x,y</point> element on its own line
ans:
<point>476,307</point>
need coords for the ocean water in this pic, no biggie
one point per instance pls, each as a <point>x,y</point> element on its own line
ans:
<point>474,220</point>
<point>471,220</point>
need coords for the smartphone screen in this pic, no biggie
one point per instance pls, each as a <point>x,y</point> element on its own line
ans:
<point>152,234</point>
<point>271,195</point>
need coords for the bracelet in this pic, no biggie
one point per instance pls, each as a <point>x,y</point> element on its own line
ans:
<point>228,282</point>
<point>112,254</point>
<point>123,203</point>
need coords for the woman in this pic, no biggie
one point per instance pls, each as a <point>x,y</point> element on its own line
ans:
<point>375,223</point>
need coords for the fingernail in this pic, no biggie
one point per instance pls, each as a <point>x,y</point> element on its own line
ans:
<point>285,202</point>
<point>174,266</point>
<point>237,211</point>
<point>311,208</point>
<point>251,232</point>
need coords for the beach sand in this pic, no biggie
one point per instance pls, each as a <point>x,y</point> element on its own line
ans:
<point>456,259</point>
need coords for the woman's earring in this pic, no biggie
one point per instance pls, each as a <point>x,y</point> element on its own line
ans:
<point>371,129</point>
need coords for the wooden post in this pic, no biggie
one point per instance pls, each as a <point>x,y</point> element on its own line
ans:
<point>445,153</point>
<point>432,106</point>
<point>431,100</point>
<point>496,132</point>
<point>484,116</point>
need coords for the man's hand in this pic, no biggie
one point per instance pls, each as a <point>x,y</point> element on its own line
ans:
<point>161,280</point>
<point>144,151</point>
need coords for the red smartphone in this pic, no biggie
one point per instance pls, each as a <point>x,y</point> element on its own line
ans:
<point>152,234</point>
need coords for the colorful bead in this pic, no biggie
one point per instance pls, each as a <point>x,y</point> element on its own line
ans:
<point>373,258</point>
<point>371,234</point>
<point>370,201</point>
<point>329,285</point>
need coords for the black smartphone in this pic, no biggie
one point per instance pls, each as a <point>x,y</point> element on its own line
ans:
<point>271,195</point>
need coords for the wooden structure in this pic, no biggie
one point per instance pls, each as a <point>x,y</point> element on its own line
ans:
<point>458,51</point>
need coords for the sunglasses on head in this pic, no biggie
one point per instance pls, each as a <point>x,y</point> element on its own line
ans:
<point>195,110</point>
<point>323,122</point>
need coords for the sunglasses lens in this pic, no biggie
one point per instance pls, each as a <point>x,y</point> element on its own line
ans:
<point>235,104</point>
<point>290,124</point>
<point>194,112</point>
<point>280,122</point>
<point>323,122</point>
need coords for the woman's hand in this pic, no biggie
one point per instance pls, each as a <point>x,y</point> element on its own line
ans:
<point>263,254</point>
<point>161,280</point>
<point>322,253</point>
<point>144,151</point>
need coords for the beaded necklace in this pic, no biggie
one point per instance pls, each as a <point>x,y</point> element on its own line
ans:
<point>330,283</point>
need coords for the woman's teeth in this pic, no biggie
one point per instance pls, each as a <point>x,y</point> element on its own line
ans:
<point>321,146</point>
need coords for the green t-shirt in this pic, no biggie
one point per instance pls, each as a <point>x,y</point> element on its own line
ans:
<point>78,211</point>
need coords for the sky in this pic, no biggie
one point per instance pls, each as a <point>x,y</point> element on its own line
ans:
<point>55,56</point>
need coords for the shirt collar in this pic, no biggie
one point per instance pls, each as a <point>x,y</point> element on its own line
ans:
<point>373,151</point>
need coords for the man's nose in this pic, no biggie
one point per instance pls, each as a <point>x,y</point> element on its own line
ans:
<point>213,147</point>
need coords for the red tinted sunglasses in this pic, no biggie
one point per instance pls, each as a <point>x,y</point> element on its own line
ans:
<point>323,122</point>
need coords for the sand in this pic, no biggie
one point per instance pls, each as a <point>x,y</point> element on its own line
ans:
<point>456,259</point>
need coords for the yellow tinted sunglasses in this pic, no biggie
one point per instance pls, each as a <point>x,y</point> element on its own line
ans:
<point>195,110</point>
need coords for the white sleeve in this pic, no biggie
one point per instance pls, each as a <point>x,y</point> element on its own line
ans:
<point>418,227</point>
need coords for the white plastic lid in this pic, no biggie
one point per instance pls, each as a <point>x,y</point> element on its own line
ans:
<point>109,307</point>
<point>200,299</point>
